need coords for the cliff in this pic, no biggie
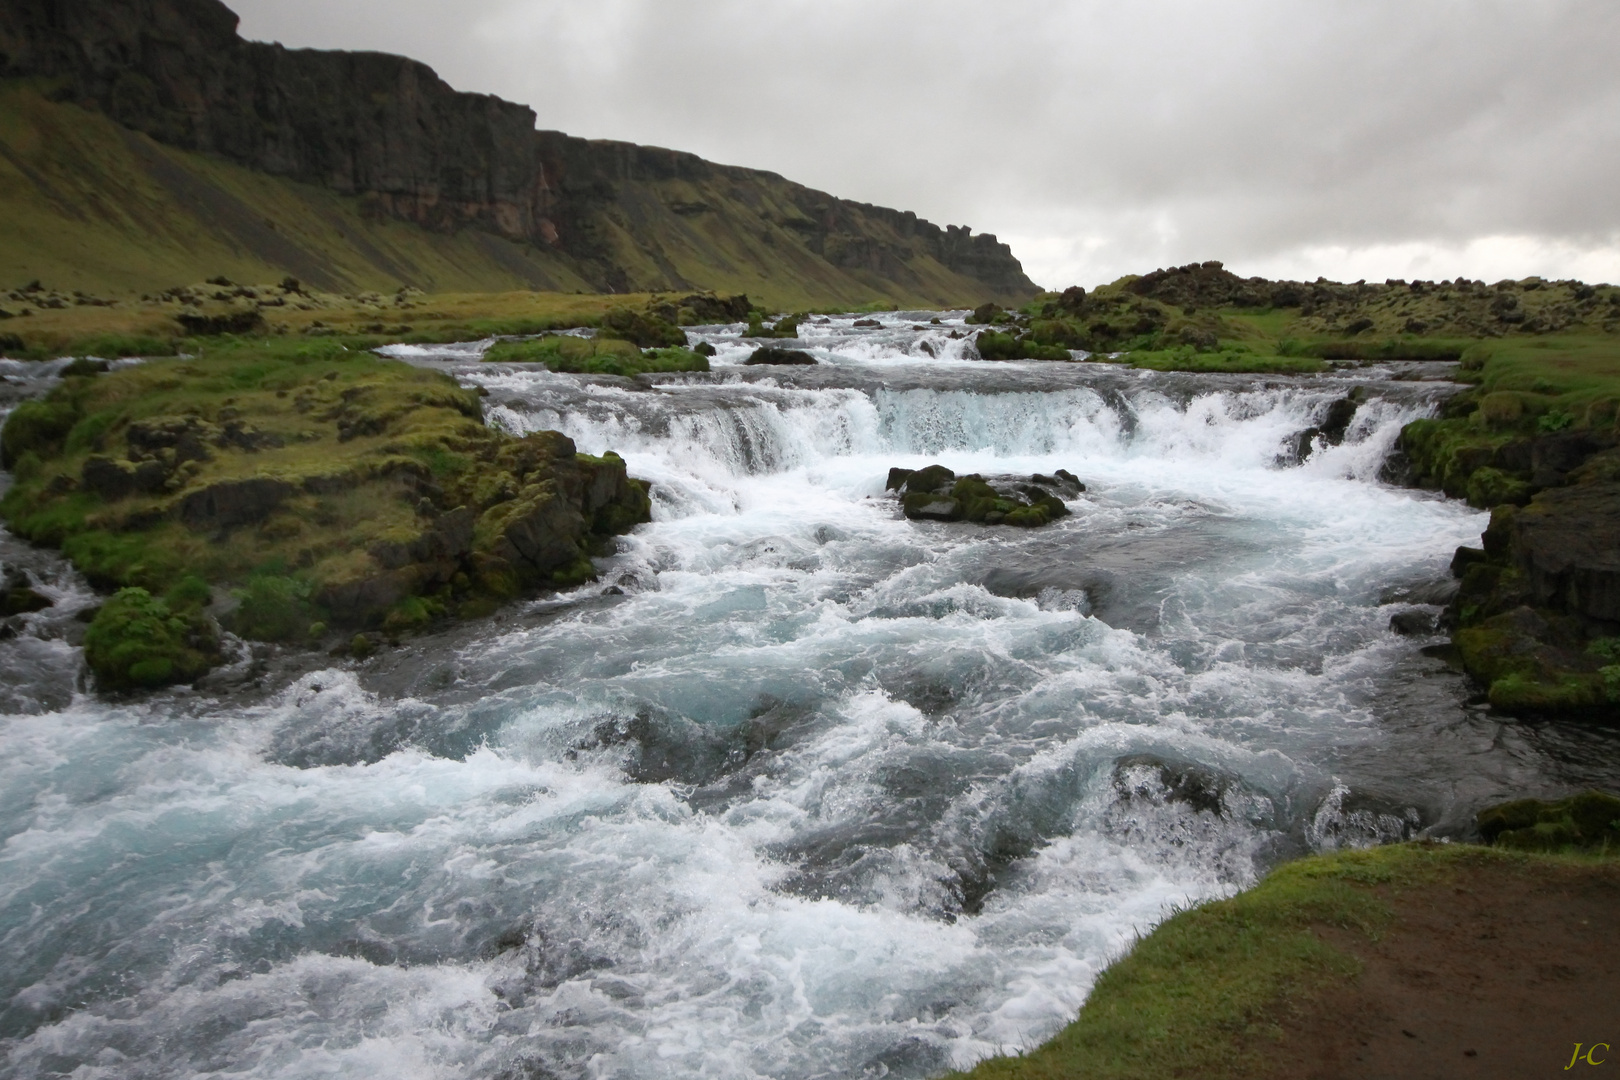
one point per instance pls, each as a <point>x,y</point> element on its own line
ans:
<point>388,133</point>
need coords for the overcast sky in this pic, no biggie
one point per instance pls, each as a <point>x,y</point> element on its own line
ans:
<point>1347,138</point>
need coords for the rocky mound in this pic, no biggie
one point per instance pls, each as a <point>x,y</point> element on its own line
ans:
<point>294,490</point>
<point>935,493</point>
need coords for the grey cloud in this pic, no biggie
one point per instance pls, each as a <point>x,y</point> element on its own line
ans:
<point>1132,133</point>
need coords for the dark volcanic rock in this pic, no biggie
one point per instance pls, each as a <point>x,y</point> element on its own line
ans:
<point>935,493</point>
<point>1412,623</point>
<point>114,480</point>
<point>770,354</point>
<point>17,596</point>
<point>1567,545</point>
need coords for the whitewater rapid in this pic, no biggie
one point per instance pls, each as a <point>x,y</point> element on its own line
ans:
<point>798,788</point>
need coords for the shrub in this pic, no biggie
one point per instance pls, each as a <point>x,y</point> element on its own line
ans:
<point>273,608</point>
<point>137,642</point>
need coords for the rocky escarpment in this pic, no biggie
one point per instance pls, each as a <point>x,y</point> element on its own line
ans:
<point>388,130</point>
<point>295,492</point>
<point>1536,618</point>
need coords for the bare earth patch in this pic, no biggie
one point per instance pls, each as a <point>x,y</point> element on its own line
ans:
<point>1495,974</point>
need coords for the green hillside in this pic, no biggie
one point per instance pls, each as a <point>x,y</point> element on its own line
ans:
<point>86,204</point>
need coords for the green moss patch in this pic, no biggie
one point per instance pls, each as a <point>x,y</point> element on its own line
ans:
<point>141,642</point>
<point>1589,821</point>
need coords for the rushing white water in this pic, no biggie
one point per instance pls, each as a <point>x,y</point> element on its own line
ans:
<point>800,788</point>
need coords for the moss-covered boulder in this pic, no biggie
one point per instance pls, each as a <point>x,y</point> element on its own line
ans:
<point>992,345</point>
<point>1589,821</point>
<point>935,493</point>
<point>138,641</point>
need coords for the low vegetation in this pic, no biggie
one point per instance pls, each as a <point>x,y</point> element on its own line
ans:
<point>595,356</point>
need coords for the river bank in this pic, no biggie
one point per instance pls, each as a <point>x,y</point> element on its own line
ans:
<point>1409,960</point>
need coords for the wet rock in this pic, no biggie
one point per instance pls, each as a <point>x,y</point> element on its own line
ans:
<point>936,493</point>
<point>1412,623</point>
<point>1148,777</point>
<point>929,478</point>
<point>17,596</point>
<point>1464,558</point>
<point>1062,482</point>
<point>1588,821</point>
<point>770,354</point>
<point>1339,416</point>
<point>1554,457</point>
<point>929,506</point>
<point>867,324</point>
<point>1566,544</point>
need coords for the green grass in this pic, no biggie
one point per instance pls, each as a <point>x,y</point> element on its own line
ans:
<point>595,356</point>
<point>1232,361</point>
<point>299,393</point>
<point>1202,994</point>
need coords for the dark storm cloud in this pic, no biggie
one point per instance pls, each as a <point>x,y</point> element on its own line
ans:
<point>1346,138</point>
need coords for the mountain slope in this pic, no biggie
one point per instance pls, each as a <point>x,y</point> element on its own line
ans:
<point>162,98</point>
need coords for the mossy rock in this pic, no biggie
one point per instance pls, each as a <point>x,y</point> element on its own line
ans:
<point>138,642</point>
<point>1488,487</point>
<point>644,329</point>
<point>38,427</point>
<point>1588,821</point>
<point>595,356</point>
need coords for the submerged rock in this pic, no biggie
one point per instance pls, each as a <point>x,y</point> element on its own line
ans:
<point>17,596</point>
<point>1412,623</point>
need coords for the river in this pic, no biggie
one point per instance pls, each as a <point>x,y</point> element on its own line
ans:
<point>799,788</point>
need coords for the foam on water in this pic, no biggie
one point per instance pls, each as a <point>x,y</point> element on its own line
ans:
<point>814,791</point>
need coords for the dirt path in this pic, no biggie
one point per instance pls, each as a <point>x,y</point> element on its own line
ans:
<point>1498,974</point>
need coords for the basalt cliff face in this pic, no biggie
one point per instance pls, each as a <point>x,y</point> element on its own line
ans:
<point>389,132</point>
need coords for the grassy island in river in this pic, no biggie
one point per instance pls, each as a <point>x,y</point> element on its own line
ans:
<point>295,488</point>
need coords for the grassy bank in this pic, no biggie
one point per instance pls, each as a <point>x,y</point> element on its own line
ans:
<point>1218,991</point>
